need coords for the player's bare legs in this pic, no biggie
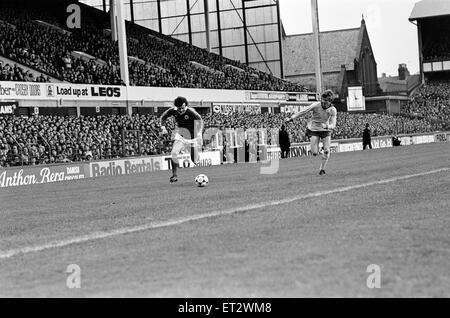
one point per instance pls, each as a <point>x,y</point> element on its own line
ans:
<point>195,149</point>
<point>326,153</point>
<point>315,145</point>
<point>176,149</point>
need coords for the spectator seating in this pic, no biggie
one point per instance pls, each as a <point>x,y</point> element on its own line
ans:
<point>431,101</point>
<point>51,139</point>
<point>37,37</point>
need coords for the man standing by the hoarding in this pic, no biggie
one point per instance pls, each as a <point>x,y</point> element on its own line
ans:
<point>323,122</point>
<point>187,135</point>
<point>284,141</point>
<point>367,142</point>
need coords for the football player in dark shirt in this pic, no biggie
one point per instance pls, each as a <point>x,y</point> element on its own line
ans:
<point>188,133</point>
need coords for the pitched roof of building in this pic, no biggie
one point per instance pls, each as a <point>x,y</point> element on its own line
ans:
<point>430,8</point>
<point>339,47</point>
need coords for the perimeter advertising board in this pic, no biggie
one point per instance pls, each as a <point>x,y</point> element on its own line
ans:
<point>125,166</point>
<point>298,150</point>
<point>419,139</point>
<point>148,164</point>
<point>8,108</point>
<point>39,175</point>
<point>206,159</point>
<point>228,108</point>
<point>442,137</point>
<point>35,91</point>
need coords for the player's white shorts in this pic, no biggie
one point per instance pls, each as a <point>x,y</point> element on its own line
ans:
<point>180,143</point>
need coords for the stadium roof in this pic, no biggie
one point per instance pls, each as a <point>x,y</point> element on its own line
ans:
<point>430,8</point>
<point>337,48</point>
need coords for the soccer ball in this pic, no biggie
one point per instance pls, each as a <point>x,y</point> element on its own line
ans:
<point>201,180</point>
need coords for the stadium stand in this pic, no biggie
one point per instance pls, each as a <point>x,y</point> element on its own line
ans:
<point>348,125</point>
<point>37,38</point>
<point>12,71</point>
<point>54,139</point>
<point>431,101</point>
<point>40,31</point>
<point>436,44</point>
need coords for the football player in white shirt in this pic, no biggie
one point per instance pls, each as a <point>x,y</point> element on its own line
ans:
<point>321,125</point>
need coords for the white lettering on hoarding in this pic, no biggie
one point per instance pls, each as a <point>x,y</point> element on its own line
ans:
<point>7,109</point>
<point>23,177</point>
<point>48,176</point>
<point>16,179</point>
<point>73,170</point>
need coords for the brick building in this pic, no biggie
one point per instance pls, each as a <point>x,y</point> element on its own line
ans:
<point>347,60</point>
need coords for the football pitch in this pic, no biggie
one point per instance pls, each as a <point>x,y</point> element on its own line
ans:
<point>289,234</point>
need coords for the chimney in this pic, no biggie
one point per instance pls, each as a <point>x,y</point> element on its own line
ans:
<point>403,71</point>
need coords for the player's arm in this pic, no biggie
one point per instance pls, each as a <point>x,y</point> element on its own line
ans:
<point>307,109</point>
<point>163,119</point>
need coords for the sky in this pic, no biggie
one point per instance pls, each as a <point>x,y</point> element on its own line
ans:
<point>393,37</point>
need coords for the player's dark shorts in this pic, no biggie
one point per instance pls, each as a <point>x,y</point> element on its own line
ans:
<point>320,134</point>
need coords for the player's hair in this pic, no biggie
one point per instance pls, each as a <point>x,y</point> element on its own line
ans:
<point>179,101</point>
<point>328,95</point>
<point>328,99</point>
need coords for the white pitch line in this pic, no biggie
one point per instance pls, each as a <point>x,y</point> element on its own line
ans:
<point>181,220</point>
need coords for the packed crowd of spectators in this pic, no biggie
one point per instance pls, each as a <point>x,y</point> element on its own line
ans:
<point>16,73</point>
<point>164,62</point>
<point>436,44</point>
<point>431,101</point>
<point>352,125</point>
<point>49,51</point>
<point>55,139</point>
<point>348,125</point>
